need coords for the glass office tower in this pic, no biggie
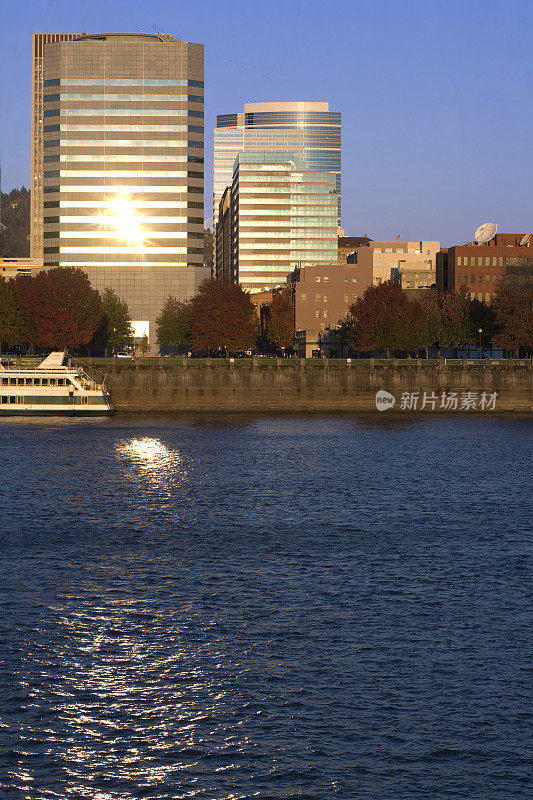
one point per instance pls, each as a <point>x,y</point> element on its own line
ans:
<point>309,129</point>
<point>282,215</point>
<point>123,165</point>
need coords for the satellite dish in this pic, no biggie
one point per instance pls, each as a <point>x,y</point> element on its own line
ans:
<point>525,239</point>
<point>485,232</point>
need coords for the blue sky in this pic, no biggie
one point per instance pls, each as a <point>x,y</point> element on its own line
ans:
<point>436,96</point>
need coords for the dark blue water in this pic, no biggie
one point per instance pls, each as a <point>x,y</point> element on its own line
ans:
<point>265,608</point>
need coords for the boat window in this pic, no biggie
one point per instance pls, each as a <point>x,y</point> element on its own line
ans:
<point>12,381</point>
<point>29,381</point>
<point>52,381</point>
<point>4,398</point>
<point>5,381</point>
<point>12,399</point>
<point>60,382</point>
<point>84,399</point>
<point>20,400</point>
<point>44,381</point>
<point>21,381</point>
<point>37,382</point>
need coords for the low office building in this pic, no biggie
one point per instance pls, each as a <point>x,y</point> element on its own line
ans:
<point>411,264</point>
<point>13,267</point>
<point>322,295</point>
<point>481,269</point>
<point>282,215</point>
<point>347,245</point>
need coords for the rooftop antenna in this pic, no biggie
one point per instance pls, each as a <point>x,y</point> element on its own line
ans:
<point>485,232</point>
<point>525,239</point>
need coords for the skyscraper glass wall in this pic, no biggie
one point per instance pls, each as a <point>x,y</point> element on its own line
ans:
<point>309,129</point>
<point>123,165</point>
<point>284,215</point>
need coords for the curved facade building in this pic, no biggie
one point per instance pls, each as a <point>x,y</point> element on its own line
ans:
<point>310,130</point>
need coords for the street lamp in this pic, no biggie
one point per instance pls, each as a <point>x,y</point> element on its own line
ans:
<point>480,331</point>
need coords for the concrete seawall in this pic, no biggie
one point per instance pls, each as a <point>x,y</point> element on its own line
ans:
<point>293,385</point>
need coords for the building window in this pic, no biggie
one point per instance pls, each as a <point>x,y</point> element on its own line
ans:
<point>472,261</point>
<point>346,280</point>
<point>480,261</point>
<point>494,261</point>
<point>303,297</point>
<point>326,279</point>
<point>487,278</point>
<point>354,297</point>
<point>346,298</point>
<point>472,279</point>
<point>500,261</point>
<point>376,264</point>
<point>325,298</point>
<point>487,296</point>
<point>325,313</point>
<point>377,249</point>
<point>318,313</point>
<point>317,279</point>
<point>318,298</point>
<point>354,280</point>
<point>494,278</point>
<point>480,278</point>
<point>459,261</point>
<point>487,261</point>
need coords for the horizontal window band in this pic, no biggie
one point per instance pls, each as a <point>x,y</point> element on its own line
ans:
<point>110,234</point>
<point>124,82</point>
<point>122,189</point>
<point>163,128</point>
<point>112,249</point>
<point>108,97</point>
<point>97,219</point>
<point>125,263</point>
<point>116,173</point>
<point>139,204</point>
<point>101,160</point>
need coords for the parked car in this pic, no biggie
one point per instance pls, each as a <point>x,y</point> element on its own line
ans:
<point>123,354</point>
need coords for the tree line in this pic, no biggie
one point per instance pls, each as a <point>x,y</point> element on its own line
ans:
<point>58,308</point>
<point>384,318</point>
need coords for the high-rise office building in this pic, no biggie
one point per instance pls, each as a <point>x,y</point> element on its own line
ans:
<point>120,139</point>
<point>310,130</point>
<point>281,214</point>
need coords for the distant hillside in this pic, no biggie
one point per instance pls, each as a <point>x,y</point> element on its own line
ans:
<point>14,241</point>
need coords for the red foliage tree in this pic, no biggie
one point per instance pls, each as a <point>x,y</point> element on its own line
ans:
<point>513,310</point>
<point>62,309</point>
<point>384,318</point>
<point>222,316</point>
<point>281,320</point>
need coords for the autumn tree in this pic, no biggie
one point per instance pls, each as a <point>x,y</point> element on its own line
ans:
<point>281,320</point>
<point>11,317</point>
<point>455,310</point>
<point>432,332</point>
<point>222,316</point>
<point>513,312</point>
<point>173,325</point>
<point>116,319</point>
<point>384,318</point>
<point>62,309</point>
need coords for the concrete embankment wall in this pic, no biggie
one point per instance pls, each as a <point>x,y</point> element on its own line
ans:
<point>294,385</point>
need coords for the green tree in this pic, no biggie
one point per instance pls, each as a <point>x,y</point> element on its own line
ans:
<point>116,319</point>
<point>281,320</point>
<point>208,247</point>
<point>223,316</point>
<point>173,325</point>
<point>144,345</point>
<point>11,317</point>
<point>15,239</point>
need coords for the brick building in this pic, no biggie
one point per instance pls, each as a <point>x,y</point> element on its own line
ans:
<point>482,268</point>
